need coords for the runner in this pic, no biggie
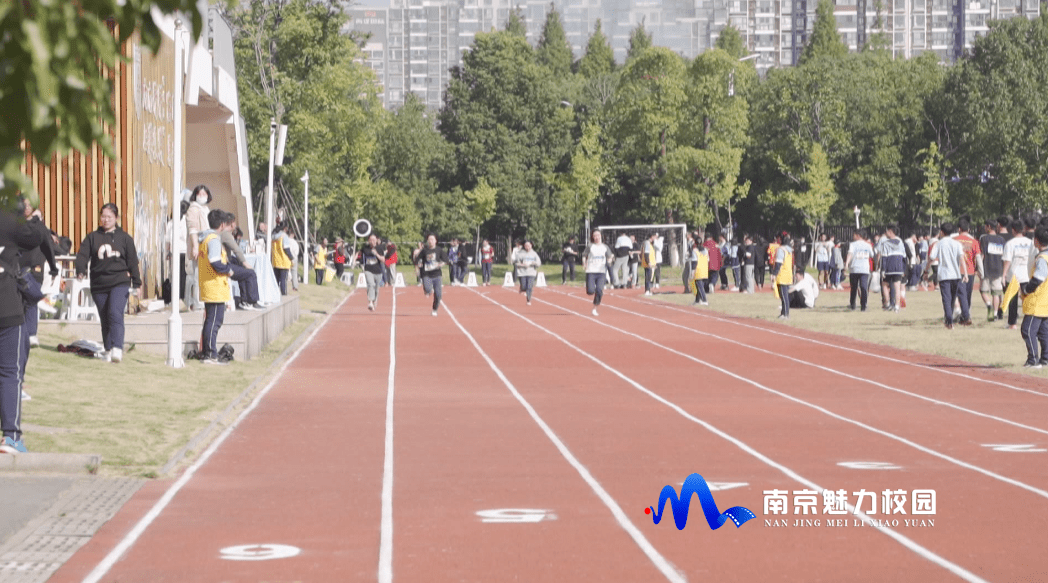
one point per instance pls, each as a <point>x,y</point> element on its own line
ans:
<point>371,257</point>
<point>595,258</point>
<point>527,264</point>
<point>430,261</point>
<point>487,258</point>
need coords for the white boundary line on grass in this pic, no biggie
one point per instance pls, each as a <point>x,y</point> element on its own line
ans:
<point>661,563</point>
<point>823,410</point>
<point>901,539</point>
<point>140,527</point>
<point>385,551</point>
<point>825,368</point>
<point>820,342</point>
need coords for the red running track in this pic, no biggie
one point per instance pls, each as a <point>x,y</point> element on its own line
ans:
<point>559,429</point>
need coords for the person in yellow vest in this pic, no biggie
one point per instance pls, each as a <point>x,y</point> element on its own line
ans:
<point>320,261</point>
<point>648,260</point>
<point>214,284</point>
<point>700,260</point>
<point>1034,328</point>
<point>281,258</point>
<point>782,269</point>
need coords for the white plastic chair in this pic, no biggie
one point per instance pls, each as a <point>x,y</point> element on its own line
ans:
<point>78,301</point>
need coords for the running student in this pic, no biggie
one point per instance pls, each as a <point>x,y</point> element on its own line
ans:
<point>430,261</point>
<point>1035,305</point>
<point>700,258</point>
<point>595,258</point>
<point>372,257</point>
<point>487,258</point>
<point>527,264</point>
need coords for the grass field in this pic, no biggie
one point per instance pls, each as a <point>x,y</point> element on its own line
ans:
<point>138,413</point>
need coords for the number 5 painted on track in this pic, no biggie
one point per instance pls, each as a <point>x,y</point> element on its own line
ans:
<point>517,515</point>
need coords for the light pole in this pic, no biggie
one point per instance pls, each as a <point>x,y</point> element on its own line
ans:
<point>305,230</point>
<point>276,158</point>
<point>858,211</point>
<point>174,323</point>
<point>731,76</point>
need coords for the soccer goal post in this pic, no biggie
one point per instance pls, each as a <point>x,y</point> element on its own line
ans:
<point>673,237</point>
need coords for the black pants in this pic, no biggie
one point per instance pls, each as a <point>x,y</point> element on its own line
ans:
<point>1035,334</point>
<point>247,279</point>
<point>859,283</point>
<point>567,267</point>
<point>595,286</point>
<point>784,300</point>
<point>1013,310</point>
<point>433,285</point>
<point>13,342</point>
<point>700,290</point>
<point>281,275</point>
<point>320,276</point>
<point>339,269</point>
<point>214,315</point>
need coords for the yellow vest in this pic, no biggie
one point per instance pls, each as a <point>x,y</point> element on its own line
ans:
<point>1036,304</point>
<point>785,276</point>
<point>320,261</point>
<point>214,286</point>
<point>648,259</point>
<point>280,259</point>
<point>702,267</point>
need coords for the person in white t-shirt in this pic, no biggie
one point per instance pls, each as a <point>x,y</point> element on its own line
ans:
<point>1016,264</point>
<point>595,258</point>
<point>804,291</point>
<point>658,243</point>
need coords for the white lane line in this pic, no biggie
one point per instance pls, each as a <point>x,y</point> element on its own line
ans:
<point>900,439</point>
<point>661,563</point>
<point>140,527</point>
<point>845,348</point>
<point>385,549</point>
<point>828,369</point>
<point>901,539</point>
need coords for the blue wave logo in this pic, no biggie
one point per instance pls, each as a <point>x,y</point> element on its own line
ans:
<point>695,484</point>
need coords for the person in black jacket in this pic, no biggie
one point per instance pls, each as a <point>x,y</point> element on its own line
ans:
<point>113,260</point>
<point>34,260</point>
<point>15,235</point>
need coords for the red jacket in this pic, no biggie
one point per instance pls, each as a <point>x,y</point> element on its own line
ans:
<point>715,254</point>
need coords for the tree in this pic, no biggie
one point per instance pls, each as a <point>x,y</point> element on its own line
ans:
<point>730,41</point>
<point>55,93</point>
<point>640,41</point>
<point>825,40</point>
<point>553,50</point>
<point>480,203</point>
<point>298,67</point>
<point>579,188</point>
<point>599,59</point>
<point>934,193</point>
<point>503,117</point>
<point>815,193</point>
<point>516,25</point>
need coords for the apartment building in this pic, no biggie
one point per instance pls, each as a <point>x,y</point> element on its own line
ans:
<point>414,43</point>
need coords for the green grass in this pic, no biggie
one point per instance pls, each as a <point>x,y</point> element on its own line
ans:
<point>918,327</point>
<point>138,413</point>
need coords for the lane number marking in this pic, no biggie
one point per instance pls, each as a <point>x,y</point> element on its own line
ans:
<point>259,552</point>
<point>516,515</point>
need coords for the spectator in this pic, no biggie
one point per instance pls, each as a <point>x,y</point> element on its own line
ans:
<point>619,270</point>
<point>196,223</point>
<point>1016,266</point>
<point>634,261</point>
<point>1035,305</point>
<point>725,251</point>
<point>952,273</point>
<point>281,257</point>
<point>892,254</point>
<point>858,261</point>
<point>749,253</point>
<point>783,272</point>
<point>658,244</point>
<point>244,276</point>
<point>715,261</point>
<point>687,265</point>
<point>991,274</point>
<point>340,258</point>
<point>567,261</point>
<point>214,272</point>
<point>34,260</point>
<point>320,261</point>
<point>804,291</point>
<point>972,255</point>
<point>109,254</point>
<point>822,261</point>
<point>700,257</point>
<point>648,260</point>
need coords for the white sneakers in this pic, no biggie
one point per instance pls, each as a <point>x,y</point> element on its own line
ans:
<point>594,311</point>
<point>371,306</point>
<point>34,342</point>
<point>116,355</point>
<point>434,313</point>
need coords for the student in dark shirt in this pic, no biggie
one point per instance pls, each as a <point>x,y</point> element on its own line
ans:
<point>430,261</point>
<point>567,261</point>
<point>991,284</point>
<point>110,255</point>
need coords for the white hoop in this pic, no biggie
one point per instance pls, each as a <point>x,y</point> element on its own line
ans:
<point>362,232</point>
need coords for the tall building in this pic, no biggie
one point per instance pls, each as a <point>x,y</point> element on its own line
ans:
<point>414,43</point>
